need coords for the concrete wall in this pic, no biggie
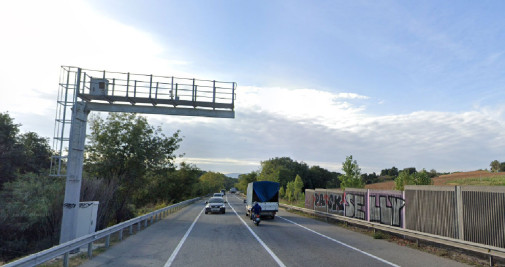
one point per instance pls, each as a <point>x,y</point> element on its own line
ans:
<point>335,201</point>
<point>309,199</point>
<point>356,203</point>
<point>320,200</point>
<point>386,207</point>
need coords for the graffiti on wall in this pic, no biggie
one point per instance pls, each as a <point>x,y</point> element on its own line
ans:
<point>335,203</point>
<point>355,205</point>
<point>386,208</point>
<point>320,199</point>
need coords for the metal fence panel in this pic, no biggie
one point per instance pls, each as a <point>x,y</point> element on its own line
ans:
<point>484,215</point>
<point>431,209</point>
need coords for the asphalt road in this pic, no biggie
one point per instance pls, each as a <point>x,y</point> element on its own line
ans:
<point>192,238</point>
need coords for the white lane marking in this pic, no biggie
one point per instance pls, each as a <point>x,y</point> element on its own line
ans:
<point>257,237</point>
<point>172,257</point>
<point>341,243</point>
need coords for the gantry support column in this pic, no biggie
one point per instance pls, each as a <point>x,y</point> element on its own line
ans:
<point>74,172</point>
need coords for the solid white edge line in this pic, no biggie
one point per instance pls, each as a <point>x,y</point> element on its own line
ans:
<point>172,257</point>
<point>257,237</point>
<point>341,243</point>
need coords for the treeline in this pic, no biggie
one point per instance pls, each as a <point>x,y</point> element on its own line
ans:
<point>294,177</point>
<point>497,166</point>
<point>129,167</point>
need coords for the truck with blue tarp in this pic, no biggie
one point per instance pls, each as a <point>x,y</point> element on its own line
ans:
<point>266,194</point>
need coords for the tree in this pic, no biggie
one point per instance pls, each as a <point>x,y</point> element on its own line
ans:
<point>495,166</point>
<point>410,170</point>
<point>10,150</point>
<point>369,178</point>
<point>502,166</point>
<point>290,191</point>
<point>298,187</point>
<point>36,153</point>
<point>282,170</point>
<point>403,179</point>
<point>172,185</point>
<point>30,214</point>
<point>282,193</point>
<point>245,179</point>
<point>433,173</point>
<point>417,178</point>
<point>229,182</point>
<point>393,172</point>
<point>321,178</point>
<point>212,182</point>
<point>352,176</point>
<point>124,147</point>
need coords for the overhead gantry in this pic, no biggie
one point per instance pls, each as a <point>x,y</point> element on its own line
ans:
<point>82,91</point>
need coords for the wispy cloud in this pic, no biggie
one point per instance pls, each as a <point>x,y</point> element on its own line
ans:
<point>424,139</point>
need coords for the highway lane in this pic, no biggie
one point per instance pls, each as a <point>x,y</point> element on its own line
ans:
<point>231,238</point>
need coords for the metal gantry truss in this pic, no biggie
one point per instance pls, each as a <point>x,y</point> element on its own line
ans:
<point>139,93</point>
<point>82,91</point>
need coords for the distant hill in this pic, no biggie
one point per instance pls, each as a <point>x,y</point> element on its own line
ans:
<point>457,178</point>
<point>233,175</point>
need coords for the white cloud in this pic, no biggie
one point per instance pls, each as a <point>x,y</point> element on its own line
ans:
<point>40,36</point>
<point>446,141</point>
<point>322,107</point>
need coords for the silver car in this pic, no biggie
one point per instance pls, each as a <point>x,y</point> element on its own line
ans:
<point>215,205</point>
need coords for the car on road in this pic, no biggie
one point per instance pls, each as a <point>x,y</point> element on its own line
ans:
<point>218,195</point>
<point>215,205</point>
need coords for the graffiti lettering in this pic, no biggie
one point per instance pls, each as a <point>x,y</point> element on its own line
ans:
<point>355,206</point>
<point>320,200</point>
<point>335,204</point>
<point>69,205</point>
<point>388,210</point>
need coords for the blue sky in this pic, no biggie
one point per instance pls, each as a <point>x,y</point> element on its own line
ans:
<point>393,83</point>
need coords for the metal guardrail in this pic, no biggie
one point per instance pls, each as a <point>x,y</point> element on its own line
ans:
<point>73,245</point>
<point>490,251</point>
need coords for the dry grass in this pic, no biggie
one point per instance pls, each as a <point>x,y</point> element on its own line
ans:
<point>457,178</point>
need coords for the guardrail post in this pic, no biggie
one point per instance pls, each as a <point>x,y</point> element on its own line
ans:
<point>107,241</point>
<point>65,260</point>
<point>120,237</point>
<point>138,226</point>
<point>90,250</point>
<point>145,223</point>
<point>491,263</point>
<point>131,229</point>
